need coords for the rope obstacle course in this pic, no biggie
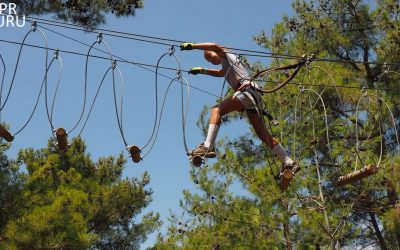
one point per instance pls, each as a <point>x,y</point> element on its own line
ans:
<point>134,150</point>
<point>304,94</point>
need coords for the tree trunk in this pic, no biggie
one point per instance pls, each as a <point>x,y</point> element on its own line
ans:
<point>378,233</point>
<point>286,233</point>
<point>393,198</point>
<point>286,229</point>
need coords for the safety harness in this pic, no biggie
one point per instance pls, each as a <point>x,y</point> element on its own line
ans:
<point>254,99</point>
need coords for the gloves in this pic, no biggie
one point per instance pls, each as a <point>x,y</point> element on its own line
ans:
<point>197,70</point>
<point>186,46</point>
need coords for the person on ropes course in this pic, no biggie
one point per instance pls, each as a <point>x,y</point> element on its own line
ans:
<point>245,98</point>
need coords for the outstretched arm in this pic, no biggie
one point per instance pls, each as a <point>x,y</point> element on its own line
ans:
<point>216,72</point>
<point>220,50</point>
<point>210,72</point>
<point>209,46</point>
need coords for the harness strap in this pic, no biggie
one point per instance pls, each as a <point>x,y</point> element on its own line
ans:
<point>264,113</point>
<point>296,66</point>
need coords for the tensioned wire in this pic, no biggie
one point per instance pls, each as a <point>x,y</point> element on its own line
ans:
<point>155,40</point>
<point>105,58</point>
<point>142,64</point>
<point>132,36</point>
<point>175,69</point>
<point>2,79</point>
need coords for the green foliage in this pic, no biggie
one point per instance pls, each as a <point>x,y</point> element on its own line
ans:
<point>71,202</point>
<point>329,130</point>
<point>85,12</point>
<point>11,181</point>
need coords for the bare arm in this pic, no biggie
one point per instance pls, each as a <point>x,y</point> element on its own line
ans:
<point>215,72</point>
<point>220,50</point>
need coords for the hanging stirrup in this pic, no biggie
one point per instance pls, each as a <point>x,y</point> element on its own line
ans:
<point>5,134</point>
<point>286,177</point>
<point>357,175</point>
<point>135,153</point>
<point>62,141</point>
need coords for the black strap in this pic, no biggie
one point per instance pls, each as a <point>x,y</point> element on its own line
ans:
<point>296,66</point>
<point>263,112</point>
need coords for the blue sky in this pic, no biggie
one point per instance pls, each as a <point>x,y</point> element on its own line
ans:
<point>231,23</point>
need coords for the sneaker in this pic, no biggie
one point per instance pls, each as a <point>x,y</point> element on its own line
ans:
<point>203,151</point>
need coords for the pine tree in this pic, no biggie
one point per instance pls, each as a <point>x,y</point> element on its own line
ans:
<point>11,183</point>
<point>329,130</point>
<point>85,12</point>
<point>71,202</point>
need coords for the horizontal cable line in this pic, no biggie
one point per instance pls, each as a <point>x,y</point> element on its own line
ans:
<point>81,54</point>
<point>93,30</point>
<point>101,29</point>
<point>167,68</point>
<point>103,58</point>
<point>126,61</point>
<point>257,53</point>
<point>343,87</point>
<point>81,28</point>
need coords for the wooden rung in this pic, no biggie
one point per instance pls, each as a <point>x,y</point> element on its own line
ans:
<point>5,134</point>
<point>287,176</point>
<point>357,175</point>
<point>135,153</point>
<point>197,160</point>
<point>62,140</point>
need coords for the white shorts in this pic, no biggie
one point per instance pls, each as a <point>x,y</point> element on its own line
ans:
<point>250,98</point>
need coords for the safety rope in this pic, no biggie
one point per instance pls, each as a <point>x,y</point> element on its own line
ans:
<point>2,80</point>
<point>296,68</point>
<point>58,57</point>
<point>33,29</point>
<point>120,115</point>
<point>99,40</point>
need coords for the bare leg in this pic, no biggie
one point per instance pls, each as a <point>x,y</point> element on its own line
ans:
<point>262,132</point>
<point>227,106</point>
<point>260,129</point>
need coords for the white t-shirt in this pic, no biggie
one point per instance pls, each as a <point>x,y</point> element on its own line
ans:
<point>234,70</point>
